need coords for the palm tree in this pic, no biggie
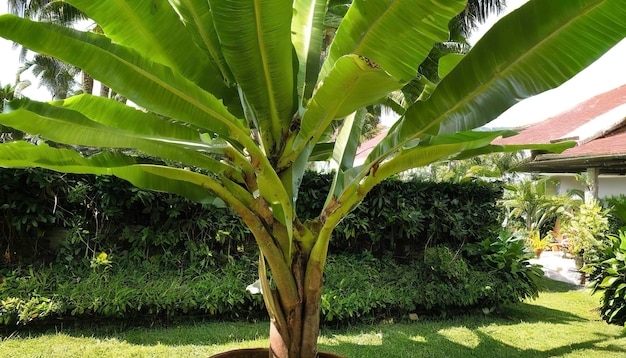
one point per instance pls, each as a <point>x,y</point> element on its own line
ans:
<point>475,13</point>
<point>58,77</point>
<point>236,89</point>
<point>7,93</point>
<point>58,12</point>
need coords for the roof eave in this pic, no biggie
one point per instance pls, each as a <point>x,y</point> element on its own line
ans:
<point>556,163</point>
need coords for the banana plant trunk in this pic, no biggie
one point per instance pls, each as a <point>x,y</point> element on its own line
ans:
<point>302,325</point>
<point>294,328</point>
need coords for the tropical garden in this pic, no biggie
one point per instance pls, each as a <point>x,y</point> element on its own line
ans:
<point>186,188</point>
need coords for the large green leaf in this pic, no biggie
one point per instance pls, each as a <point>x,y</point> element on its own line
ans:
<point>396,34</point>
<point>364,35</point>
<point>418,155</point>
<point>154,29</point>
<point>513,61</point>
<point>146,83</point>
<point>196,15</point>
<point>553,147</point>
<point>178,181</point>
<point>100,122</point>
<point>307,29</point>
<point>255,37</point>
<point>352,84</point>
<point>346,145</point>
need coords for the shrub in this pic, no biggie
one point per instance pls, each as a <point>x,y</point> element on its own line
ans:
<point>357,288</point>
<point>365,288</point>
<point>405,217</point>
<point>30,210</point>
<point>133,253</point>
<point>617,210</point>
<point>74,217</point>
<point>607,273</point>
<point>506,257</point>
<point>586,229</point>
<point>108,289</point>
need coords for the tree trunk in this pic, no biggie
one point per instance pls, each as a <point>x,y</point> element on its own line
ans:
<point>118,97</point>
<point>87,83</point>
<point>299,338</point>
<point>296,262</point>
<point>104,91</point>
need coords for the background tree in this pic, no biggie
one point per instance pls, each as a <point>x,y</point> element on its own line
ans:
<point>7,93</point>
<point>531,208</point>
<point>236,89</point>
<point>57,76</point>
<point>498,166</point>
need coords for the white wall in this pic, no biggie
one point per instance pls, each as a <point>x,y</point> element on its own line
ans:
<point>608,185</point>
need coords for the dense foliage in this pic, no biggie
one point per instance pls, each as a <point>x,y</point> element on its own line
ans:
<point>607,273</point>
<point>70,219</point>
<point>587,226</point>
<point>359,288</point>
<point>405,217</point>
<point>99,247</point>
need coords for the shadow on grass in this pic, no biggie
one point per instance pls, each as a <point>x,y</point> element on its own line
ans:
<point>532,313</point>
<point>478,344</point>
<point>469,336</point>
<point>465,336</point>
<point>548,285</point>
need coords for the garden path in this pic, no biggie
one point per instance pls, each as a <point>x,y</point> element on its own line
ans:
<point>559,266</point>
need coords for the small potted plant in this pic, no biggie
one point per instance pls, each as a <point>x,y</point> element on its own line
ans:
<point>537,243</point>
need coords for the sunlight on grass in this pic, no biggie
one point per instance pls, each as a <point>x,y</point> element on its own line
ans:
<point>563,322</point>
<point>363,339</point>
<point>420,339</point>
<point>461,335</point>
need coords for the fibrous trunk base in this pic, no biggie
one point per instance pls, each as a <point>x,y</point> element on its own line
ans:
<point>261,353</point>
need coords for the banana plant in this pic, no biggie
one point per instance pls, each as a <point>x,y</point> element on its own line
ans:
<point>238,96</point>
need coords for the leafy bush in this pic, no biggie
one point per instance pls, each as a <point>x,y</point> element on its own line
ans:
<point>68,219</point>
<point>30,210</point>
<point>607,273</point>
<point>405,217</point>
<point>364,288</point>
<point>72,218</point>
<point>505,256</point>
<point>17,310</point>
<point>166,256</point>
<point>617,210</point>
<point>586,229</point>
<point>108,289</point>
<point>357,288</point>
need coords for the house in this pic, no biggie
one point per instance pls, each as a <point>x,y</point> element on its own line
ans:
<point>598,126</point>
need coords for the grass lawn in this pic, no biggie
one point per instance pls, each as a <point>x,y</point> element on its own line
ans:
<point>562,322</point>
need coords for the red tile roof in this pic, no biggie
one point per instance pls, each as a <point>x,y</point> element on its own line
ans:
<point>566,122</point>
<point>366,147</point>
<point>613,144</point>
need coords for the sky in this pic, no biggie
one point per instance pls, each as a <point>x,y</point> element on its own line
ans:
<point>605,74</point>
<point>9,65</point>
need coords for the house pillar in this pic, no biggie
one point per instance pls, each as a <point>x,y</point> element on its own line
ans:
<point>591,189</point>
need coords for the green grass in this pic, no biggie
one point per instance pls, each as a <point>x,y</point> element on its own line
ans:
<point>562,322</point>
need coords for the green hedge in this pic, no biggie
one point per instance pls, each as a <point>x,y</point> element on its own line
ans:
<point>357,288</point>
<point>404,217</point>
<point>96,246</point>
<point>52,217</point>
